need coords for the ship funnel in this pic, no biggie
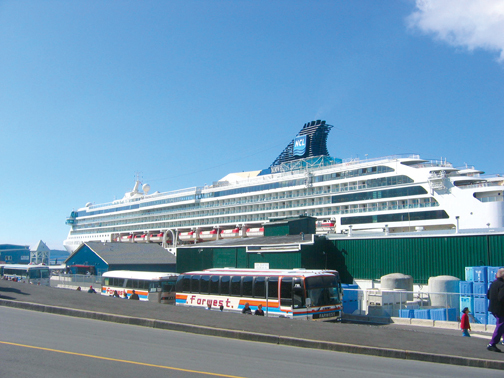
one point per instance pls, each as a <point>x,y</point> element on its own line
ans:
<point>310,141</point>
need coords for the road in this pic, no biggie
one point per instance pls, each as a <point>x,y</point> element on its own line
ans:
<point>34,344</point>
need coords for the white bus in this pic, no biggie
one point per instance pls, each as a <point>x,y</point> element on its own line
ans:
<point>150,286</point>
<point>296,293</point>
<point>34,274</point>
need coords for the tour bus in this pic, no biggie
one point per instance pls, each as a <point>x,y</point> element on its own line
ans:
<point>150,286</point>
<point>296,293</point>
<point>34,274</point>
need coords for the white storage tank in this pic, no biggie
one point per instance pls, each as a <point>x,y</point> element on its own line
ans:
<point>398,281</point>
<point>444,284</point>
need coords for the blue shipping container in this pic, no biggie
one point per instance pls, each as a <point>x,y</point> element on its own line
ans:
<point>445,314</point>
<point>480,318</point>
<point>350,307</point>
<point>469,273</point>
<point>405,313</point>
<point>467,302</point>
<point>422,314</point>
<point>480,305</point>
<point>350,292</point>
<point>480,289</point>
<point>480,274</point>
<point>466,287</point>
<point>492,271</point>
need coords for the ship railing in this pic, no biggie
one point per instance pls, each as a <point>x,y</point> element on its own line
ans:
<point>434,164</point>
<point>301,169</point>
<point>191,190</point>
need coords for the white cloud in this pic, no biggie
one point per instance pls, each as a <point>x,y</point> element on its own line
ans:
<point>471,24</point>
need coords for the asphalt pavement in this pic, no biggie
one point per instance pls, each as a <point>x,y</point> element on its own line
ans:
<point>395,341</point>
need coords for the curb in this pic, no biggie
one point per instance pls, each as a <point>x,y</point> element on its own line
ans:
<point>259,337</point>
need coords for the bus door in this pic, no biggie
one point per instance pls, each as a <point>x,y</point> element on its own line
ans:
<point>298,293</point>
<point>286,296</point>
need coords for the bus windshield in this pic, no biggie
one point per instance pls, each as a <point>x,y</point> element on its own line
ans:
<point>323,290</point>
<point>166,285</point>
<point>39,273</point>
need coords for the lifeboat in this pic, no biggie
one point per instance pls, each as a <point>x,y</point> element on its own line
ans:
<point>126,238</point>
<point>140,238</point>
<point>325,226</point>
<point>255,231</point>
<point>208,235</point>
<point>157,238</point>
<point>187,236</point>
<point>232,233</point>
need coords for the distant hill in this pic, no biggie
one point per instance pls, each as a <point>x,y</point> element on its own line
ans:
<point>58,256</point>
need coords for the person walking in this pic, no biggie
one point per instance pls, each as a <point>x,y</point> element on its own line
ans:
<point>464,322</point>
<point>495,296</point>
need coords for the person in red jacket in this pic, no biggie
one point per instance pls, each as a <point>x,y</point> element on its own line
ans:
<point>464,322</point>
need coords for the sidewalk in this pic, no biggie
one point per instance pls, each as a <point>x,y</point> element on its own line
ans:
<point>388,340</point>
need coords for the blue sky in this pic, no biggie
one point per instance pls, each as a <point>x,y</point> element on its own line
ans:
<point>184,92</point>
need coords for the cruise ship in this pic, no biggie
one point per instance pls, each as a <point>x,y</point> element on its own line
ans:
<point>392,194</point>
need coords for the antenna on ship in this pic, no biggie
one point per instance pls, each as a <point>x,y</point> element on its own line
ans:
<point>138,176</point>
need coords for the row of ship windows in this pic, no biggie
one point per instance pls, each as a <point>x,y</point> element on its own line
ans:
<point>385,181</point>
<point>227,216</point>
<point>491,199</point>
<point>354,197</point>
<point>385,218</point>
<point>402,217</point>
<point>250,189</point>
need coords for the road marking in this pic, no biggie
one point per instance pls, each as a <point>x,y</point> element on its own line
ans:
<point>118,360</point>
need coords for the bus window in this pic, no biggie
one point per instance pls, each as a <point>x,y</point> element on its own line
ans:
<point>286,291</point>
<point>204,284</point>
<point>273,288</point>
<point>143,284</point>
<point>236,286</point>
<point>214,285</point>
<point>168,286</point>
<point>224,288</point>
<point>195,284</point>
<point>34,273</point>
<point>247,286</point>
<point>117,281</point>
<point>185,284</point>
<point>298,296</point>
<point>259,288</point>
<point>131,283</point>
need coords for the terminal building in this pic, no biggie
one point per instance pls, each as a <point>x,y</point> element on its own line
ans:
<point>98,257</point>
<point>14,254</point>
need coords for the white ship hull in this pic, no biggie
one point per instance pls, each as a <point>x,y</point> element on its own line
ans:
<point>395,194</point>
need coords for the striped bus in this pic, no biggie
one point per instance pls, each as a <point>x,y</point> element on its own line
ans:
<point>296,293</point>
<point>150,286</point>
<point>33,274</point>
